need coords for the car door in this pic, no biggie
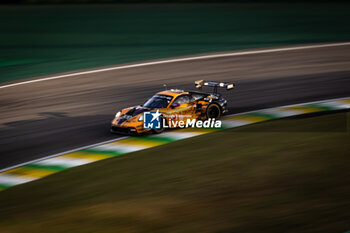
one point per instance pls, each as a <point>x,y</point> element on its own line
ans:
<point>182,108</point>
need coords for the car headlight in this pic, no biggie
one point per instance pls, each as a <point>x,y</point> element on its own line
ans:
<point>141,117</point>
<point>118,114</point>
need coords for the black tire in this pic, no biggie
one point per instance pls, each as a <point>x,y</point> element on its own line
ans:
<point>213,111</point>
<point>158,131</point>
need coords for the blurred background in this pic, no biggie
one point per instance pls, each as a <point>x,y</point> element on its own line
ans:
<point>288,175</point>
<point>44,37</point>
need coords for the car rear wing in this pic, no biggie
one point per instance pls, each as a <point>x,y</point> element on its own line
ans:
<point>215,84</point>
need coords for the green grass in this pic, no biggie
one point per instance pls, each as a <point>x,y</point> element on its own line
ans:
<point>281,176</point>
<point>41,40</point>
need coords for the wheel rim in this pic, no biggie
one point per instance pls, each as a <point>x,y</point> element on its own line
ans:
<point>161,129</point>
<point>213,112</point>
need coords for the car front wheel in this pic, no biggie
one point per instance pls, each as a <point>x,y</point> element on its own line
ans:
<point>157,131</point>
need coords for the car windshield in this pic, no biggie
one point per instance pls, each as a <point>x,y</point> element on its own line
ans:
<point>158,101</point>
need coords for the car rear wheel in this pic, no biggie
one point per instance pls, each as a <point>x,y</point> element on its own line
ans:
<point>213,111</point>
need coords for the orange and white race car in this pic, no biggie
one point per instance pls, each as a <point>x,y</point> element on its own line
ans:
<point>172,106</point>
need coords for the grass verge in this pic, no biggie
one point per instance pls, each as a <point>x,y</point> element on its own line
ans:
<point>287,175</point>
<point>45,39</point>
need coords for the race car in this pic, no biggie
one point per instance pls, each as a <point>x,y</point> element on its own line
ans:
<point>174,105</point>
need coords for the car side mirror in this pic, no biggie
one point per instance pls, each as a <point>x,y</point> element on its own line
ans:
<point>174,105</point>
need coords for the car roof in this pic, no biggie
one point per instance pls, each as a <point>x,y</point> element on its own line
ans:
<point>173,92</point>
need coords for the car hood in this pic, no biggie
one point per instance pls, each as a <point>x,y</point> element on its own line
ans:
<point>132,113</point>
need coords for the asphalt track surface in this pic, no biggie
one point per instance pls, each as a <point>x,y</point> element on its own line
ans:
<point>43,118</point>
